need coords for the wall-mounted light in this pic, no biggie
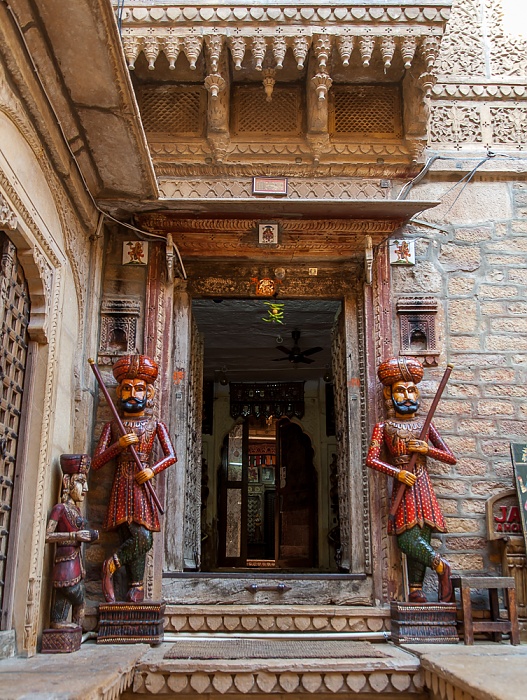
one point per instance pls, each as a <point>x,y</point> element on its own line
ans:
<point>328,376</point>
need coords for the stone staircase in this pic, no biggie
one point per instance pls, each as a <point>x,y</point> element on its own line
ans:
<point>388,673</point>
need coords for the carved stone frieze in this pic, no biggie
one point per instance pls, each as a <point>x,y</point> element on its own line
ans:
<point>296,189</point>
<point>238,283</point>
<point>405,14</point>
<point>509,125</point>
<point>455,125</point>
<point>388,167</point>
<point>490,91</point>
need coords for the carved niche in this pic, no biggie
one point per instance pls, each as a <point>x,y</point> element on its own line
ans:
<point>118,328</point>
<point>417,324</point>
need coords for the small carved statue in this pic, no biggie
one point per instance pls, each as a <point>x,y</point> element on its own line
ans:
<point>68,530</point>
<point>418,514</point>
<point>132,507</point>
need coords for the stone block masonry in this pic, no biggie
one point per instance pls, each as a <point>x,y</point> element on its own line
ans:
<point>478,269</point>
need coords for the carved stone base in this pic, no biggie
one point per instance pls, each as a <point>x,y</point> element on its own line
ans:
<point>131,623</point>
<point>424,623</point>
<point>61,641</point>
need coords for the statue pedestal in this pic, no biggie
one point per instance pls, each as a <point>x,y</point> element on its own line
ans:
<point>61,641</point>
<point>131,623</point>
<point>424,623</point>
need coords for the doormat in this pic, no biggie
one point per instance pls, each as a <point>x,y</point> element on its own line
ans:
<point>273,649</point>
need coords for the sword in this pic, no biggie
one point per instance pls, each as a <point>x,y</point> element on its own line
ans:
<point>123,431</point>
<point>426,425</point>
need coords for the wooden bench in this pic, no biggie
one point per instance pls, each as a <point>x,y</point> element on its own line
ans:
<point>496,625</point>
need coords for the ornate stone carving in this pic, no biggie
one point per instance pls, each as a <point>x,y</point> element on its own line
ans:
<point>296,188</point>
<point>455,124</point>
<point>509,125</point>
<point>417,324</point>
<point>405,15</point>
<point>462,46</point>
<point>8,218</point>
<point>118,328</point>
<point>214,84</point>
<point>508,54</point>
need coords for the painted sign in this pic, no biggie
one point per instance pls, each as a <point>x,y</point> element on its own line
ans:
<point>519,461</point>
<point>402,252</point>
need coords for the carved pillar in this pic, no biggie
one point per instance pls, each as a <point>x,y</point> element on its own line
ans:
<point>317,110</point>
<point>218,87</point>
<point>158,339</point>
<point>182,535</point>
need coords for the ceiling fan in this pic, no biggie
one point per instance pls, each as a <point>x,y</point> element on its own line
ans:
<point>295,355</point>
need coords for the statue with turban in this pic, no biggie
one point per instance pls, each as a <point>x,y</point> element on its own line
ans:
<point>397,437</point>
<point>131,509</point>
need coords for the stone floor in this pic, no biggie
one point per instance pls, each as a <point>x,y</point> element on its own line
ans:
<point>485,671</point>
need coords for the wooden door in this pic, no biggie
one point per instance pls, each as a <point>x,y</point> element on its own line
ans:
<point>297,499</point>
<point>232,498</point>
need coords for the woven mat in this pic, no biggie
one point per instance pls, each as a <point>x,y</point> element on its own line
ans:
<point>272,649</point>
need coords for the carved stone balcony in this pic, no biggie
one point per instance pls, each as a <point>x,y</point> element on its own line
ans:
<point>336,68</point>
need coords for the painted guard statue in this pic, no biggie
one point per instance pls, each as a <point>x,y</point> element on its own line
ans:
<point>68,530</point>
<point>132,508</point>
<point>418,515</point>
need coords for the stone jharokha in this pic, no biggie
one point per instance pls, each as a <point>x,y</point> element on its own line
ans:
<point>68,530</point>
<point>132,507</point>
<point>418,514</point>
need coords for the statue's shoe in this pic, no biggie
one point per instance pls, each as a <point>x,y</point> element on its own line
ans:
<point>107,583</point>
<point>417,596</point>
<point>136,593</point>
<point>446,591</point>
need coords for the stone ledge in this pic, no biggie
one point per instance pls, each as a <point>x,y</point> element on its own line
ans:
<point>92,673</point>
<point>275,618</point>
<point>397,673</point>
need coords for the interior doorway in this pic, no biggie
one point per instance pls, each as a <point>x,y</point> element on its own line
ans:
<point>267,459</point>
<point>268,504</point>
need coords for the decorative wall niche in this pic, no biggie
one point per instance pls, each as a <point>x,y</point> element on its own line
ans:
<point>417,324</point>
<point>118,328</point>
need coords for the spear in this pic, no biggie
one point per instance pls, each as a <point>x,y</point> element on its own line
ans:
<point>123,431</point>
<point>422,436</point>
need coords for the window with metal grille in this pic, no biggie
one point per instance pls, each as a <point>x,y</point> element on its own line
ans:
<point>14,320</point>
<point>171,110</point>
<point>252,115</point>
<point>365,111</point>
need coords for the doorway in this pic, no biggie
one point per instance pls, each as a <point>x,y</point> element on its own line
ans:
<point>268,503</point>
<point>267,461</point>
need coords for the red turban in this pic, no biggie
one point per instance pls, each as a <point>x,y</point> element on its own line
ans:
<point>75,464</point>
<point>135,367</point>
<point>400,369</point>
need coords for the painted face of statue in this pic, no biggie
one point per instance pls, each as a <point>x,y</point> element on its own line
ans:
<point>134,395</point>
<point>405,398</point>
<point>78,488</point>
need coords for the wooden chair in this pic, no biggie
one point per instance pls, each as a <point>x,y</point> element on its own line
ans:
<point>496,625</point>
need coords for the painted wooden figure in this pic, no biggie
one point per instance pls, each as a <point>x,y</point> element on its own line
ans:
<point>132,508</point>
<point>68,530</point>
<point>418,515</point>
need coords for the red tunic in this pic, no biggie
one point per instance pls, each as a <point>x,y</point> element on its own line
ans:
<point>130,501</point>
<point>67,569</point>
<point>419,505</point>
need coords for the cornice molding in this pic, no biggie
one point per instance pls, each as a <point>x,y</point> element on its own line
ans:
<point>427,13</point>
